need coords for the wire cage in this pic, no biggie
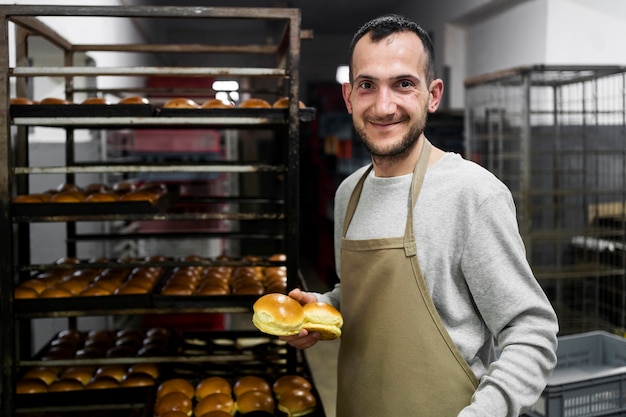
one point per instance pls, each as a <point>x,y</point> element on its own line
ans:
<point>556,136</point>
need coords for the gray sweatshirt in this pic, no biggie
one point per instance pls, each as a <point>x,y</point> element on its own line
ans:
<point>474,263</point>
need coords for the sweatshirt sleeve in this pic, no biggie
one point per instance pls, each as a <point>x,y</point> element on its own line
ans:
<point>515,310</point>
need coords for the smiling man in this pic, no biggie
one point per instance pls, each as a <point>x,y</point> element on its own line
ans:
<point>431,264</point>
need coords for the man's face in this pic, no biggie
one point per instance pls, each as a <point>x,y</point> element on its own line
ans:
<point>389,97</point>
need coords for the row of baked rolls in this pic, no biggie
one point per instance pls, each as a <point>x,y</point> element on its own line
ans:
<point>225,280</point>
<point>123,343</point>
<point>71,281</point>
<point>251,103</point>
<point>215,396</point>
<point>96,193</point>
<point>22,101</point>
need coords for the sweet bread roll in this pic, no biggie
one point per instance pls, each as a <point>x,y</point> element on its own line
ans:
<point>21,293</point>
<point>278,315</point>
<point>134,100</point>
<point>67,197</point>
<point>215,402</point>
<point>251,401</point>
<point>117,372</point>
<point>176,384</point>
<point>172,401</point>
<point>297,403</point>
<point>95,291</point>
<point>54,100</point>
<point>287,383</point>
<point>95,100</point>
<point>137,380</point>
<point>101,197</point>
<point>61,385</point>
<point>138,196</point>
<point>181,103</point>
<point>215,103</point>
<point>31,198</point>
<point>324,319</point>
<point>20,101</point>
<point>215,413</point>
<point>30,386</point>
<point>102,382</point>
<point>250,383</point>
<point>55,293</point>
<point>212,385</point>
<point>175,413</point>
<point>255,103</point>
<point>44,373</point>
<point>283,103</point>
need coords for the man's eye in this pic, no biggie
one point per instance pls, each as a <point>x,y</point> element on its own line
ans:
<point>406,84</point>
<point>365,85</point>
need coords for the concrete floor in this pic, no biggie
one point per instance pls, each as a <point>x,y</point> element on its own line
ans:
<point>322,359</point>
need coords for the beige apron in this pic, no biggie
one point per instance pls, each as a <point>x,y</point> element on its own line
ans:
<point>396,358</point>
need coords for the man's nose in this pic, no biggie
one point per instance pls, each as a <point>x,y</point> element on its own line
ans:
<point>385,102</point>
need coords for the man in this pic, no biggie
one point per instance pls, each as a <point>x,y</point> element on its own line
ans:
<point>431,264</point>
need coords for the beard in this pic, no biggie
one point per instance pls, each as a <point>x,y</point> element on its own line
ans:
<point>396,151</point>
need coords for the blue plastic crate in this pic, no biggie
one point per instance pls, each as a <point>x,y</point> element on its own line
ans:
<point>589,378</point>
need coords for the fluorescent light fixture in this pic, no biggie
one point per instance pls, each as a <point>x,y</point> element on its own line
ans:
<point>225,85</point>
<point>343,74</point>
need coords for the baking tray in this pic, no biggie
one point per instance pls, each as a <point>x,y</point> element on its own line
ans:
<point>100,399</point>
<point>82,110</point>
<point>275,115</point>
<point>35,306</point>
<point>204,301</point>
<point>92,209</point>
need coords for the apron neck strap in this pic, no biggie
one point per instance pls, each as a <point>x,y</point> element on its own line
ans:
<point>410,247</point>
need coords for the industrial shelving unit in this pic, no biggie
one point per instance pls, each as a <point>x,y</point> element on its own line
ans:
<point>280,209</point>
<point>555,136</point>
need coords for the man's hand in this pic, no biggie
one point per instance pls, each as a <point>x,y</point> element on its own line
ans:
<point>304,339</point>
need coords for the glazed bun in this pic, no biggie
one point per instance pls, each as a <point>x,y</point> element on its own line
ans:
<point>212,385</point>
<point>250,383</point>
<point>101,197</point>
<point>21,293</point>
<point>181,103</point>
<point>61,385</point>
<point>137,380</point>
<point>278,314</point>
<point>283,103</point>
<point>297,403</point>
<point>290,382</point>
<point>255,103</point>
<point>255,401</point>
<point>30,386</point>
<point>31,198</point>
<point>215,413</point>
<point>134,100</point>
<point>215,402</point>
<point>46,374</point>
<point>138,196</point>
<point>95,100</point>
<point>324,319</point>
<point>67,197</point>
<point>176,384</point>
<point>173,401</point>
<point>215,103</point>
<point>20,101</point>
<point>53,100</point>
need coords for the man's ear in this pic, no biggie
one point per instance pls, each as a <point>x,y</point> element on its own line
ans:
<point>346,89</point>
<point>435,91</point>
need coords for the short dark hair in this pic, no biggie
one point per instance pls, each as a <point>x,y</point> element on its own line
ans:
<point>383,26</point>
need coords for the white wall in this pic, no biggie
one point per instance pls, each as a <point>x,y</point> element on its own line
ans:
<point>586,32</point>
<point>515,37</point>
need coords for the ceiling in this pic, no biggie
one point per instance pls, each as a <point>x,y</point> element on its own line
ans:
<point>324,17</point>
